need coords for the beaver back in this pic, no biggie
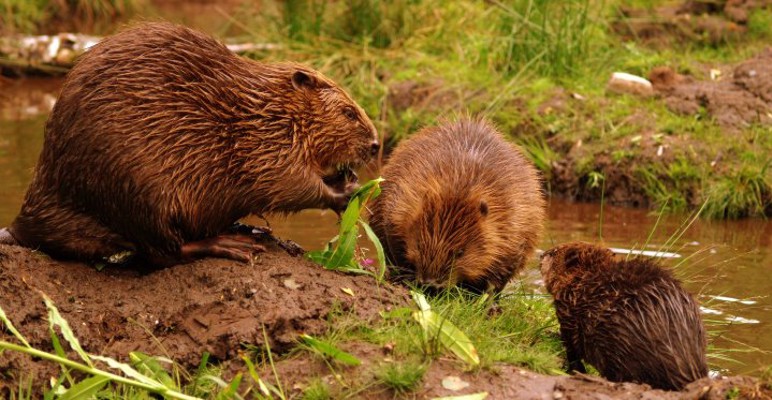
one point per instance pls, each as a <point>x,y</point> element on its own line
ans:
<point>460,205</point>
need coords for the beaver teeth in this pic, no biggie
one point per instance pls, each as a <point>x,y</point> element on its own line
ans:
<point>342,174</point>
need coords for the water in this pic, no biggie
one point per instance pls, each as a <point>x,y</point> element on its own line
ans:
<point>728,263</point>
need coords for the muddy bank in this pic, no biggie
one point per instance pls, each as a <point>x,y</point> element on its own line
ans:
<point>220,307</point>
<point>213,305</point>
<point>691,21</point>
<point>657,160</point>
<point>736,98</point>
<point>499,381</point>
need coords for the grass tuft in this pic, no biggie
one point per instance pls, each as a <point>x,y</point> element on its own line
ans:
<point>401,377</point>
<point>317,389</point>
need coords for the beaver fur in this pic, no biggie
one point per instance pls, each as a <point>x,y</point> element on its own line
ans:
<point>162,138</point>
<point>630,319</point>
<point>459,206</point>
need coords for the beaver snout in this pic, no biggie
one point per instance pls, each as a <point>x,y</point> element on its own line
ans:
<point>374,147</point>
<point>430,283</point>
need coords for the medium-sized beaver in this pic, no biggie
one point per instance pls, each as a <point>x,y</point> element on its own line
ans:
<point>631,319</point>
<point>459,206</point>
<point>162,138</point>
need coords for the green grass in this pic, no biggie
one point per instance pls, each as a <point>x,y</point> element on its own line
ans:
<point>401,377</point>
<point>28,16</point>
<point>510,60</point>
<point>537,68</point>
<point>317,389</point>
<point>523,333</point>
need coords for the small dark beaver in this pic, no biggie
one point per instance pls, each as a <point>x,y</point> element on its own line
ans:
<point>631,319</point>
<point>162,138</point>
<point>460,206</point>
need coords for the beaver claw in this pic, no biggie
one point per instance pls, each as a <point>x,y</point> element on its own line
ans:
<point>263,233</point>
<point>234,246</point>
<point>258,232</point>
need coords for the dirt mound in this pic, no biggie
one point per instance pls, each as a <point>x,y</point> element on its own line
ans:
<point>211,305</point>
<point>691,21</point>
<point>741,99</point>
<point>500,381</point>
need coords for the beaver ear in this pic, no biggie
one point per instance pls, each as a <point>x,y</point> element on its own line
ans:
<point>302,80</point>
<point>484,208</point>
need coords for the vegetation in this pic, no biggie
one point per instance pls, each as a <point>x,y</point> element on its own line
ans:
<point>30,16</point>
<point>539,69</point>
<point>401,377</point>
<point>341,253</point>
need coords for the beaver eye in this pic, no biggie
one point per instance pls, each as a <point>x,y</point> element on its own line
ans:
<point>350,113</point>
<point>458,253</point>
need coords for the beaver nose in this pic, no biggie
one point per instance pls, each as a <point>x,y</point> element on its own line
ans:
<point>374,147</point>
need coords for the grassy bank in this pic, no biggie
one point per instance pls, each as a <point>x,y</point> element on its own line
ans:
<point>539,70</point>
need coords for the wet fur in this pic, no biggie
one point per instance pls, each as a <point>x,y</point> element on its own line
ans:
<point>162,136</point>
<point>457,187</point>
<point>631,320</point>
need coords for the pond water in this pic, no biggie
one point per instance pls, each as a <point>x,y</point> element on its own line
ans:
<point>727,263</point>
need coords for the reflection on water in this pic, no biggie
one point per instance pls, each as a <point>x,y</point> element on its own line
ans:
<point>728,263</point>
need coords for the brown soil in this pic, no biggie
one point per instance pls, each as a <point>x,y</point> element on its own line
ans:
<point>500,381</point>
<point>213,305</point>
<point>736,101</point>
<point>740,96</point>
<point>690,21</point>
<point>220,307</point>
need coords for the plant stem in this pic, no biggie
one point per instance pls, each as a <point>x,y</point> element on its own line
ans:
<point>93,371</point>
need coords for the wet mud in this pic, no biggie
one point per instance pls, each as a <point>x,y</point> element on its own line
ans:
<point>212,305</point>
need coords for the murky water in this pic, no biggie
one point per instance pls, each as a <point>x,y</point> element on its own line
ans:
<point>729,263</point>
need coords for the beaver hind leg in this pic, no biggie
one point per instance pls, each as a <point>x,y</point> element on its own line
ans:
<point>64,233</point>
<point>234,246</point>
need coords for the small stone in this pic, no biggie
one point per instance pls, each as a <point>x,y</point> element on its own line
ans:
<point>622,82</point>
<point>454,383</point>
<point>291,284</point>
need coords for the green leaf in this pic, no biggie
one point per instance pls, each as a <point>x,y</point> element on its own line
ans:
<point>331,351</point>
<point>150,367</point>
<point>397,313</point>
<point>339,254</point>
<point>86,389</point>
<point>450,337</point>
<point>232,389</point>
<point>378,249</point>
<point>202,364</point>
<point>130,372</point>
<point>265,388</point>
<point>364,191</point>
<point>54,318</point>
<point>344,251</point>
<point>420,301</point>
<point>12,328</point>
<point>350,216</point>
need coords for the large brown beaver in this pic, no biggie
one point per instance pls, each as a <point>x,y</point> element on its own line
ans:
<point>460,206</point>
<point>631,320</point>
<point>162,138</point>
